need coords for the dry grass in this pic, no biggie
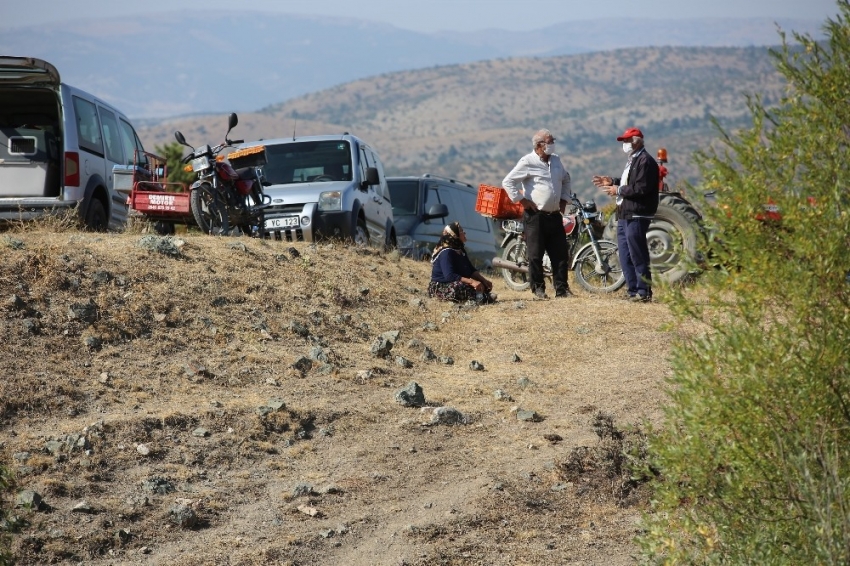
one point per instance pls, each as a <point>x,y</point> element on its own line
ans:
<point>206,338</point>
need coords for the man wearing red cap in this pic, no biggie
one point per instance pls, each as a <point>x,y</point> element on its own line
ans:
<point>637,200</point>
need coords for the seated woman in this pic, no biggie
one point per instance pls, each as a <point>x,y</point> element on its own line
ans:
<point>453,277</point>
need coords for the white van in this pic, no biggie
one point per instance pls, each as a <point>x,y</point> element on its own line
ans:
<point>58,147</point>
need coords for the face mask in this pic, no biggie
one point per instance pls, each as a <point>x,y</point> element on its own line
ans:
<point>550,149</point>
<point>627,147</point>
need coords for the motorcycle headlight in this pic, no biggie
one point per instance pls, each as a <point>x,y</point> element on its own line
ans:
<point>200,163</point>
<point>330,200</point>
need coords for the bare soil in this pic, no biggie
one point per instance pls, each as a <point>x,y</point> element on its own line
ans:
<point>159,380</point>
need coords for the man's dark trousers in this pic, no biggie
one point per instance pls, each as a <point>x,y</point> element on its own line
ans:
<point>544,232</point>
<point>634,255</point>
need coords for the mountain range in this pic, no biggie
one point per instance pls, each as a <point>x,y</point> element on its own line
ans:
<point>165,64</point>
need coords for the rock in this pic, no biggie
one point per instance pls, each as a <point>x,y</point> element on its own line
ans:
<point>528,416</point>
<point>447,360</point>
<point>101,277</point>
<point>28,499</point>
<point>523,382</point>
<point>475,365</point>
<point>430,326</point>
<point>82,507</point>
<point>294,253</point>
<point>428,355</point>
<point>411,396</point>
<point>160,244</point>
<point>448,416</point>
<point>403,362</point>
<point>302,364</point>
<point>54,447</point>
<point>158,485</point>
<point>515,358</point>
<point>297,328</point>
<point>276,404</point>
<point>104,378</point>
<point>318,353</point>
<point>31,326</point>
<point>183,516</point>
<point>381,347</point>
<point>16,303</point>
<point>363,291</point>
<point>553,438</point>
<point>415,344</point>
<point>302,490</point>
<point>502,396</point>
<point>364,375</point>
<point>201,432</point>
<point>239,247</point>
<point>143,449</point>
<point>83,312</point>
<point>309,510</point>
<point>123,535</point>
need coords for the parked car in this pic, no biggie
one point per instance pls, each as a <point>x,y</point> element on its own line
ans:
<point>422,206</point>
<point>330,186</point>
<point>58,147</point>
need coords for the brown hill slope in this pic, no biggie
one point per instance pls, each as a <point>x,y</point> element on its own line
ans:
<point>473,121</point>
<point>224,404</point>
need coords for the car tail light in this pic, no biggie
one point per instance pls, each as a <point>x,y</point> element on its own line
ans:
<point>72,169</point>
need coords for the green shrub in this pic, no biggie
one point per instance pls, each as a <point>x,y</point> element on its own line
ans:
<point>753,454</point>
<point>6,521</point>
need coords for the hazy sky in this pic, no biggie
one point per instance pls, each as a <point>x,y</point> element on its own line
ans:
<point>434,15</point>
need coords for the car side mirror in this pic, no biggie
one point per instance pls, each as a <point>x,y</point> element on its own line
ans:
<point>437,211</point>
<point>372,178</point>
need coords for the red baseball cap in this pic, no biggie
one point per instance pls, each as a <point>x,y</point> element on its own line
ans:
<point>629,134</point>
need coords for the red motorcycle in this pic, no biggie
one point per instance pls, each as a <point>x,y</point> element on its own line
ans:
<point>227,195</point>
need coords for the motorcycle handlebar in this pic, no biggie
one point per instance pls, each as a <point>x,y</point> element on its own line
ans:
<point>235,141</point>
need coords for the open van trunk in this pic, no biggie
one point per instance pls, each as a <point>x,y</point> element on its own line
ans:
<point>30,129</point>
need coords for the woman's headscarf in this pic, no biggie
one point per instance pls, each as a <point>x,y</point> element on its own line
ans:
<point>449,239</point>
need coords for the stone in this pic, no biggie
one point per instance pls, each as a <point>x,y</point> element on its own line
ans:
<point>448,416</point>
<point>475,365</point>
<point>528,416</point>
<point>28,499</point>
<point>201,432</point>
<point>183,516</point>
<point>411,396</point>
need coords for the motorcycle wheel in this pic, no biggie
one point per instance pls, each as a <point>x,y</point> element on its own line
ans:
<point>209,211</point>
<point>606,277</point>
<point>516,252</point>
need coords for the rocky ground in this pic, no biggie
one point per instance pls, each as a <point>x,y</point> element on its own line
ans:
<point>199,400</point>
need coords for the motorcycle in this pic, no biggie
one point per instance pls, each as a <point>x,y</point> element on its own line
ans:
<point>595,262</point>
<point>224,196</point>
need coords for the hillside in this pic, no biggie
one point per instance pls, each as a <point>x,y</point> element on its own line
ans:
<point>229,401</point>
<point>473,121</point>
<point>160,64</point>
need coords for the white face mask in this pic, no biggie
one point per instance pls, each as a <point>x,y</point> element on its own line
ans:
<point>627,147</point>
<point>550,149</point>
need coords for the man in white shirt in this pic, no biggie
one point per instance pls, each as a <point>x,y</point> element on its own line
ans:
<point>541,184</point>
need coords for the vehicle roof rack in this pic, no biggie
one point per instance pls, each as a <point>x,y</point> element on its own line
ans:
<point>430,176</point>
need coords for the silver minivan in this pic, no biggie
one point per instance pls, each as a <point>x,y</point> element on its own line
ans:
<point>58,147</point>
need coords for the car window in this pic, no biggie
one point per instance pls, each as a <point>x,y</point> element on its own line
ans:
<point>132,146</point>
<point>111,136</point>
<point>88,126</point>
<point>302,162</point>
<point>404,196</point>
<point>432,197</point>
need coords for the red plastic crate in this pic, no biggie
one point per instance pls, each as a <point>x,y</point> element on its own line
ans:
<point>494,201</point>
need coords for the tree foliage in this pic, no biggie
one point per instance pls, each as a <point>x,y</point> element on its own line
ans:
<point>5,520</point>
<point>753,453</point>
<point>173,153</point>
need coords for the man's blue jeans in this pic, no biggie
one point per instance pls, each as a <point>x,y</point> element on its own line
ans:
<point>634,255</point>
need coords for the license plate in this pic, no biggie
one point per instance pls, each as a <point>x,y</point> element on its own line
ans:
<point>285,222</point>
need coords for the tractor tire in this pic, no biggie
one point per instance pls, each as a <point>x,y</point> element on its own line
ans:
<point>674,238</point>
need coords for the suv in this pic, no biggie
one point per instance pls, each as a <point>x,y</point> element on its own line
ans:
<point>326,186</point>
<point>58,147</point>
<point>422,206</point>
